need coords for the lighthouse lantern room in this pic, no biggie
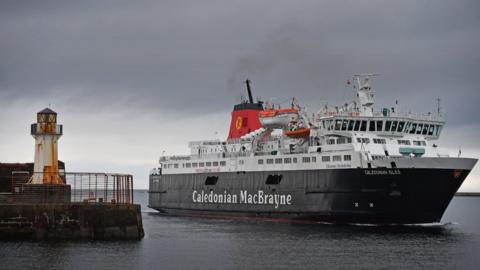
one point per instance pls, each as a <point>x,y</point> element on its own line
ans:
<point>46,133</point>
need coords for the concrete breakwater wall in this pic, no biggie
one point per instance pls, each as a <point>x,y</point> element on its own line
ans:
<point>72,221</point>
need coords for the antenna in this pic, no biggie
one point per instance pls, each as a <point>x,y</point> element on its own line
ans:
<point>438,106</point>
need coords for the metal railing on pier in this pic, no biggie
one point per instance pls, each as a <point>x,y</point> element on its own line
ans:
<point>100,187</point>
<point>76,187</point>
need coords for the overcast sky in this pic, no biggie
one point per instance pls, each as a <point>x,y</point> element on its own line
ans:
<point>130,79</point>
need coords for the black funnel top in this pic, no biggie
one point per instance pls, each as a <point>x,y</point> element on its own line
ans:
<point>250,105</point>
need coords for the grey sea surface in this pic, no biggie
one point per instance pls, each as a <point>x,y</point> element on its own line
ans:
<point>197,243</point>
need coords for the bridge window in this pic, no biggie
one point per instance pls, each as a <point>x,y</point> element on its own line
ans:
<point>347,157</point>
<point>430,130</point>
<point>223,163</point>
<point>330,124</point>
<point>400,126</point>
<point>345,123</point>
<point>215,164</point>
<point>363,127</point>
<point>413,128</point>
<point>394,126</point>
<point>270,161</point>
<point>294,160</point>
<point>188,165</point>
<point>437,130</point>
<point>388,125</point>
<point>425,129</point>
<point>194,165</point>
<point>338,124</point>
<point>175,165</point>
<point>201,164</point>
<point>287,160</point>
<point>314,159</point>
<point>325,158</point>
<point>351,123</point>
<point>371,126</point>
<point>260,161</point>
<point>379,125</point>
<point>419,129</point>
<point>278,161</point>
<point>357,125</point>
<point>306,159</point>
<point>407,126</point>
<point>208,164</point>
<point>337,158</point>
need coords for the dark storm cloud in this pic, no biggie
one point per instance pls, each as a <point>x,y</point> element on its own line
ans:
<point>121,73</point>
<point>162,55</point>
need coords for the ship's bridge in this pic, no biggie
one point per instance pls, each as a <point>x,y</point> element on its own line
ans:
<point>384,125</point>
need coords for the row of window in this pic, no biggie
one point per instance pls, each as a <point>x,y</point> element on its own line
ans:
<point>419,143</point>
<point>206,150</point>
<point>304,159</point>
<point>340,140</point>
<point>379,141</point>
<point>272,179</point>
<point>197,164</point>
<point>260,161</point>
<point>383,141</point>
<point>381,125</point>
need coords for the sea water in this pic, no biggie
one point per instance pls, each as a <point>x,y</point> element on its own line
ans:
<point>200,243</point>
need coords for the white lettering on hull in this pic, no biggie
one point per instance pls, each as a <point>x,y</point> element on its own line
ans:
<point>382,172</point>
<point>258,198</point>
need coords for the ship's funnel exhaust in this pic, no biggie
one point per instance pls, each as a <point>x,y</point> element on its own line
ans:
<point>250,98</point>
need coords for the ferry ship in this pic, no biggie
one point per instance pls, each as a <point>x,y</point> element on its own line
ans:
<point>343,164</point>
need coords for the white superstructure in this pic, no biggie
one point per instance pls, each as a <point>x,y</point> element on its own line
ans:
<point>349,136</point>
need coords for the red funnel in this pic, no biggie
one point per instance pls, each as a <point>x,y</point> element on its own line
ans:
<point>244,119</point>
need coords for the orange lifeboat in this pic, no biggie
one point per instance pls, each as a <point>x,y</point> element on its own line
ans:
<point>298,133</point>
<point>277,118</point>
<point>274,112</point>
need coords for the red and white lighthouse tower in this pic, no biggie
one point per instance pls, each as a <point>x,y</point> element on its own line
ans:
<point>46,133</point>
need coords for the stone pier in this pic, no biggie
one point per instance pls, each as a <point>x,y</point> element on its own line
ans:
<point>72,221</point>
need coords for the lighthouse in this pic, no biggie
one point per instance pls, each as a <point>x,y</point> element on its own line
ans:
<point>46,133</point>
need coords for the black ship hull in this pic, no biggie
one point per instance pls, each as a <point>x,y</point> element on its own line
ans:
<point>372,196</point>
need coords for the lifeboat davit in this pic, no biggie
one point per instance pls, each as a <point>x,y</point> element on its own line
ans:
<point>277,118</point>
<point>298,133</point>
